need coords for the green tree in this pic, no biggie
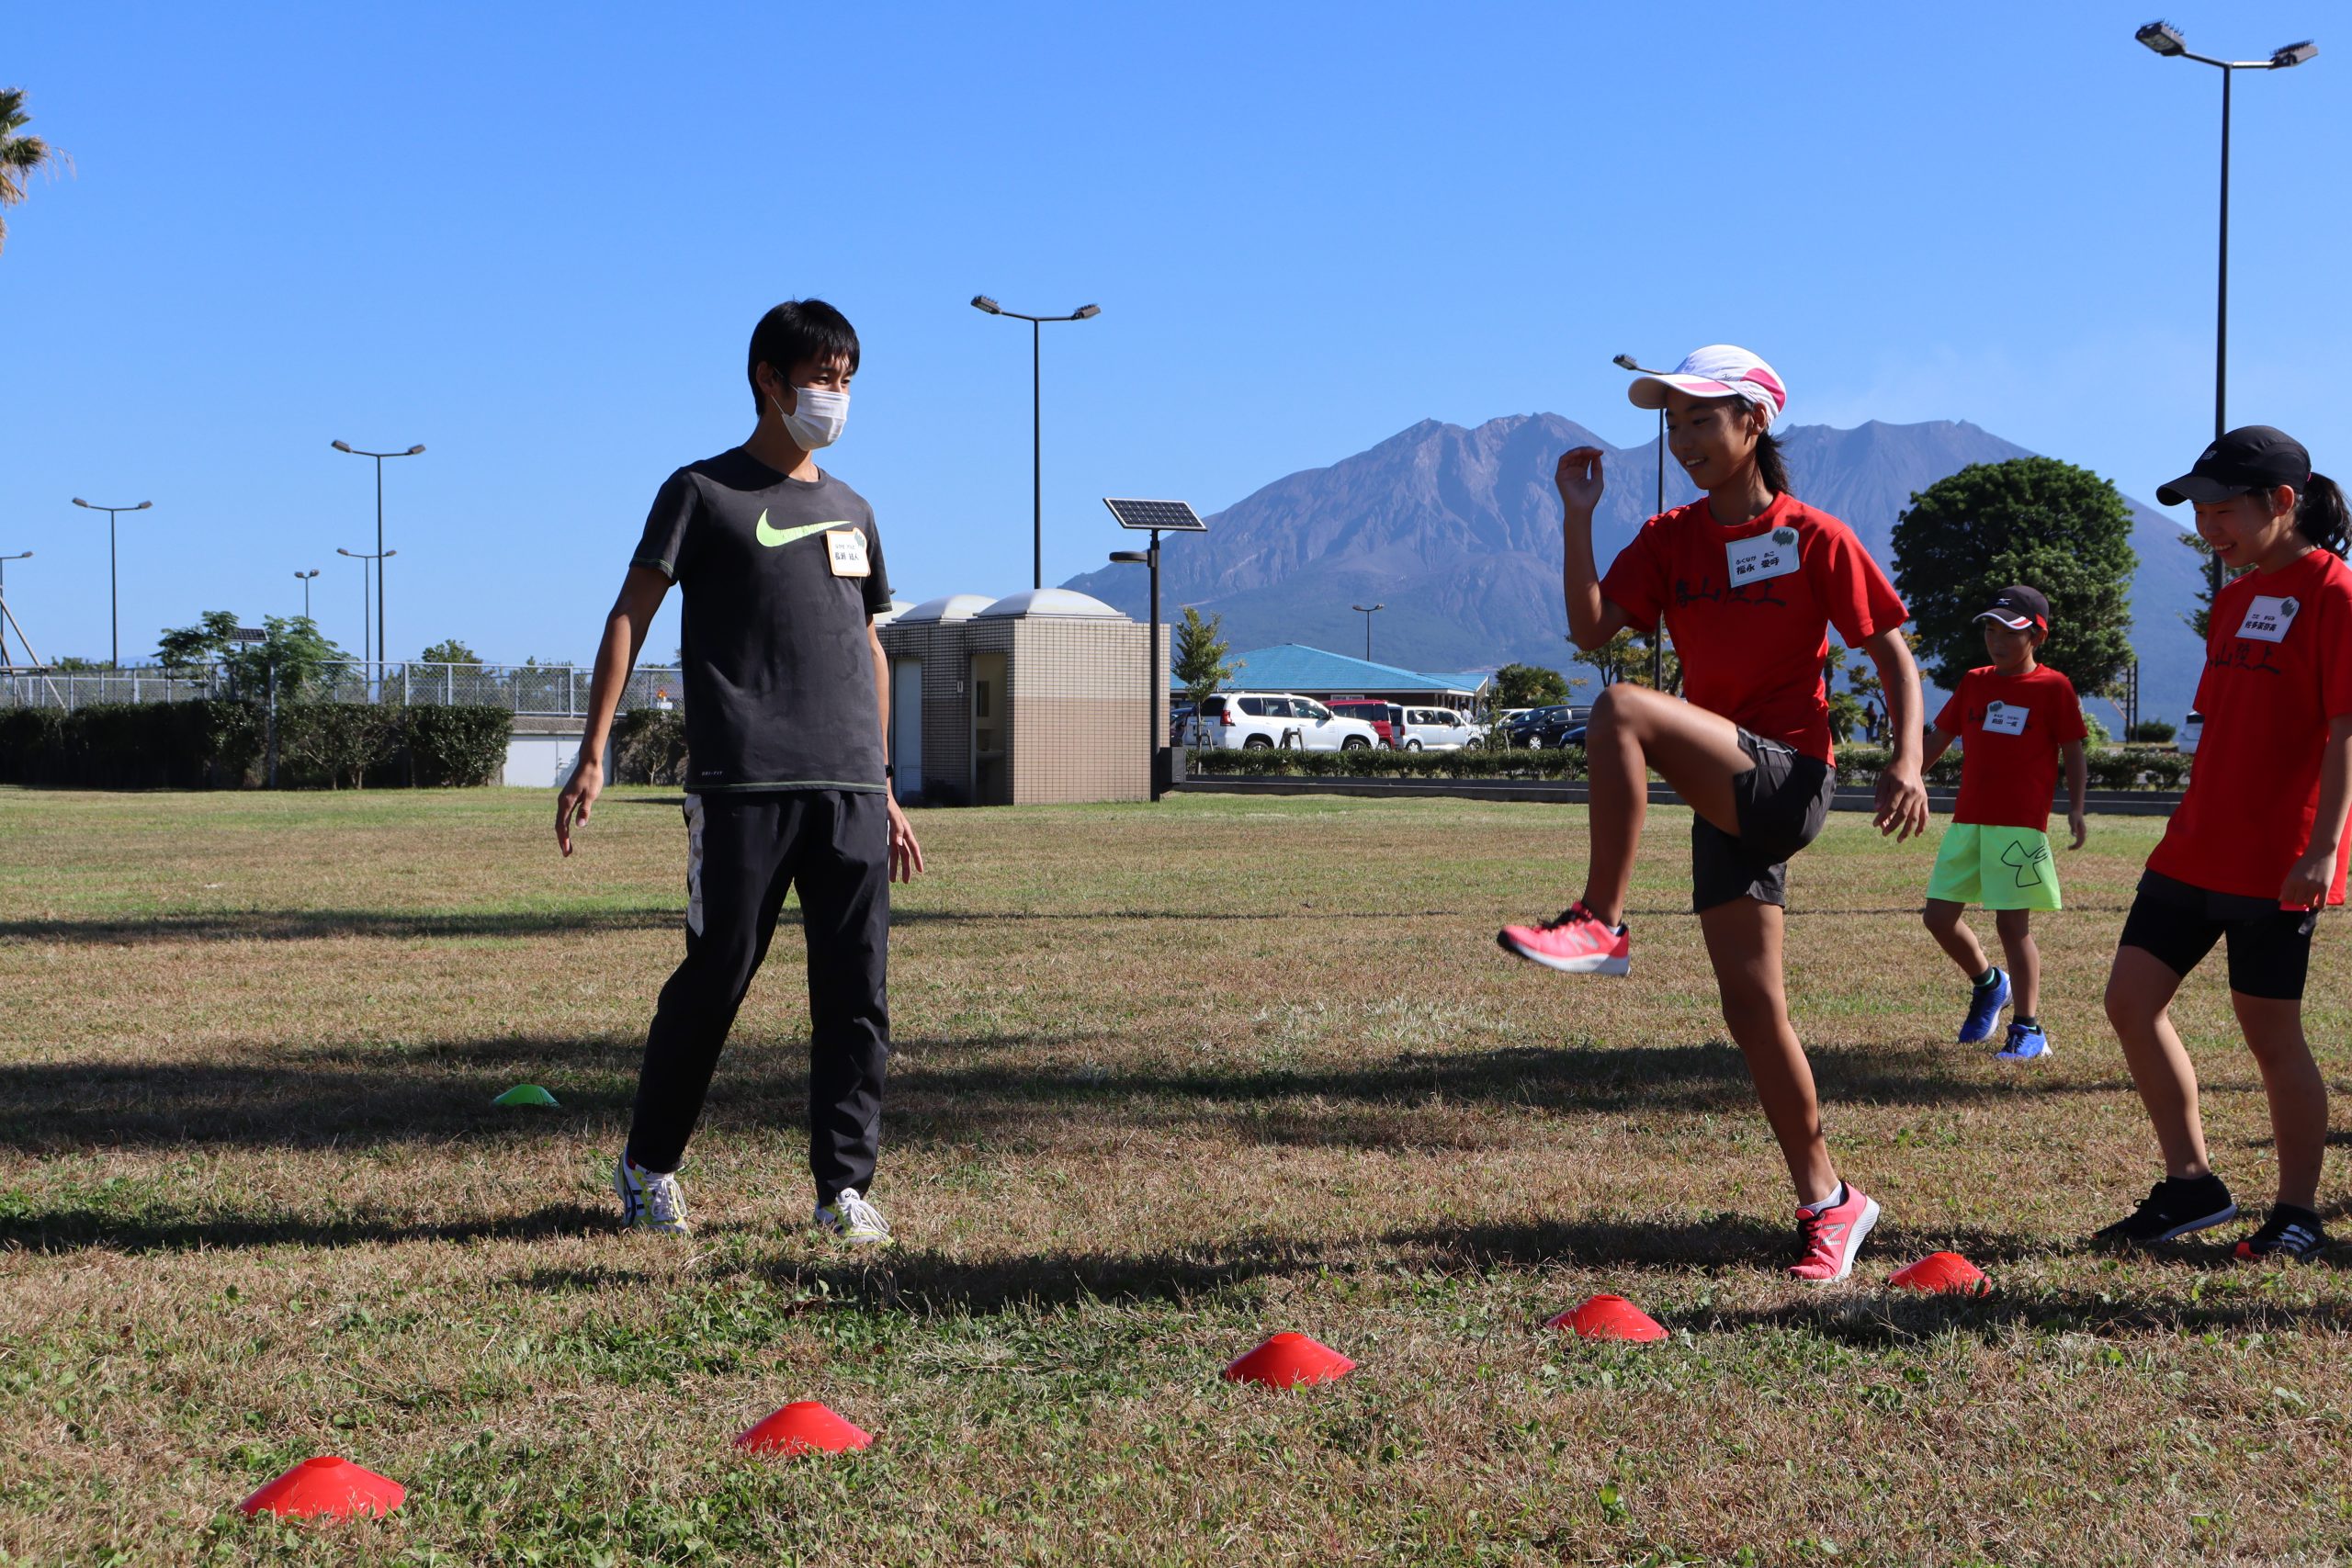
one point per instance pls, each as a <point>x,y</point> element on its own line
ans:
<point>1199,661</point>
<point>1529,686</point>
<point>2032,520</point>
<point>449,650</point>
<point>290,644</point>
<point>21,156</point>
<point>1630,656</point>
<point>2201,620</point>
<point>207,642</point>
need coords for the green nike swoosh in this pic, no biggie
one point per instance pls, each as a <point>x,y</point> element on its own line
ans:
<point>771,537</point>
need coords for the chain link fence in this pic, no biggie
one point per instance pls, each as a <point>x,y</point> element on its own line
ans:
<point>554,690</point>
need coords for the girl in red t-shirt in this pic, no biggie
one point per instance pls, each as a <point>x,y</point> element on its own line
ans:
<point>1748,582</point>
<point>2256,847</point>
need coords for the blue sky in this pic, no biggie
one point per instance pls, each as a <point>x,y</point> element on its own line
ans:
<point>536,239</point>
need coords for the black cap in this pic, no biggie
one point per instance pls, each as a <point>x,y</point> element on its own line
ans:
<point>2252,457</point>
<point>2017,607</point>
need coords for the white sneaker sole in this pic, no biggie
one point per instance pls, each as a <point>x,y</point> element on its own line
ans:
<point>1596,964</point>
<point>1854,1239</point>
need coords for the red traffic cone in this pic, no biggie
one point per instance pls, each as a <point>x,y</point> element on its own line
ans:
<point>1610,1317</point>
<point>1288,1359</point>
<point>804,1426</point>
<point>1942,1273</point>
<point>326,1488</point>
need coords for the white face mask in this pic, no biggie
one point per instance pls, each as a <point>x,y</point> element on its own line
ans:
<point>818,419</point>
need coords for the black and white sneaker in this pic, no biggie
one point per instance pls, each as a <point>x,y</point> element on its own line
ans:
<point>2173,1208</point>
<point>2291,1233</point>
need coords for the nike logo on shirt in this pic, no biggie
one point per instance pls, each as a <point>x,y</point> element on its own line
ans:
<point>771,537</point>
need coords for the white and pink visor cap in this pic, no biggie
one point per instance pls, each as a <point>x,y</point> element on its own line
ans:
<point>1718,370</point>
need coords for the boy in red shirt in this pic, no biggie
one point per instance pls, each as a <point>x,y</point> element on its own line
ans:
<point>2256,847</point>
<point>2015,718</point>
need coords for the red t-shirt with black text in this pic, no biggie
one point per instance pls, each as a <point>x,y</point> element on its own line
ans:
<point>1751,607</point>
<point>2011,728</point>
<point>2278,670</point>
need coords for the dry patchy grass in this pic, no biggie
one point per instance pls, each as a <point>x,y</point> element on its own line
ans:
<point>1167,1080</point>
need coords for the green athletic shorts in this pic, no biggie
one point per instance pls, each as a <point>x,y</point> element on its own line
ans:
<point>2001,868</point>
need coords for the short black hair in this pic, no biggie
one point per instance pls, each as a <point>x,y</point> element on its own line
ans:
<point>799,330</point>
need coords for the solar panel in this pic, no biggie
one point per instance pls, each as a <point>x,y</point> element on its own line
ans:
<point>1165,516</point>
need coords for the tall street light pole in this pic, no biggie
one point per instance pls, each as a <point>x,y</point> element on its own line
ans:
<point>114,592</point>
<point>1365,611</point>
<point>381,553</point>
<point>20,555</point>
<point>304,578</point>
<point>1037,419</point>
<point>363,561</point>
<point>1657,642</point>
<point>2169,41</point>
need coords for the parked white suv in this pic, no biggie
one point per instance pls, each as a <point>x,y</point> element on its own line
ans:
<point>1255,720</point>
<point>1437,730</point>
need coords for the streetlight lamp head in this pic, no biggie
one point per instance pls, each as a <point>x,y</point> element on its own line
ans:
<point>1086,312</point>
<point>341,551</point>
<point>387,555</point>
<point>1130,558</point>
<point>413,450</point>
<point>79,502</point>
<point>1625,362</point>
<point>2293,54</point>
<point>2164,38</point>
<point>340,445</point>
<point>982,302</point>
<point>143,506</point>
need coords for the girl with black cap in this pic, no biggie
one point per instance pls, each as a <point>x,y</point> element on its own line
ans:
<point>2256,847</point>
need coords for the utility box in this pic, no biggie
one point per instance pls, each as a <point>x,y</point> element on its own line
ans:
<point>1037,698</point>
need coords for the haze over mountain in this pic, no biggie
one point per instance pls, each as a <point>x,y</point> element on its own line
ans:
<point>1457,532</point>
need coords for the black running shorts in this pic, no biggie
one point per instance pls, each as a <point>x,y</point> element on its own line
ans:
<point>1782,801</point>
<point>2178,922</point>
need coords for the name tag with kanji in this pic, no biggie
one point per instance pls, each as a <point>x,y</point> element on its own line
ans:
<point>846,547</point>
<point>1765,556</point>
<point>2003,719</point>
<point>2267,618</point>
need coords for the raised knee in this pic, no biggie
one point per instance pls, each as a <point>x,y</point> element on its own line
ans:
<point>1938,920</point>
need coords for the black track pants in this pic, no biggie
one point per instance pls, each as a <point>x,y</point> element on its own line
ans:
<point>743,851</point>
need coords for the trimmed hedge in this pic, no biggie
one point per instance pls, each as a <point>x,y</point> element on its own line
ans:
<point>1857,766</point>
<point>220,744</point>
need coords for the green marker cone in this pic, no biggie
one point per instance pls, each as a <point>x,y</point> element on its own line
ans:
<point>524,1094</point>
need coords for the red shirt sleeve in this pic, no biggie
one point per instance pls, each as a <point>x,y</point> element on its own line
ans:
<point>2335,655</point>
<point>1861,601</point>
<point>2066,724</point>
<point>1952,718</point>
<point>1636,580</point>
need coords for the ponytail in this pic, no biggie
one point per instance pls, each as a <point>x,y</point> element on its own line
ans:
<point>1774,472</point>
<point>2320,514</point>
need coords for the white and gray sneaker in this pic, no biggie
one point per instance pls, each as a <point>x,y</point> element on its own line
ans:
<point>854,1220</point>
<point>651,1199</point>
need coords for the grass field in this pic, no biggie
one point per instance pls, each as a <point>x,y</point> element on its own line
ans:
<point>1168,1079</point>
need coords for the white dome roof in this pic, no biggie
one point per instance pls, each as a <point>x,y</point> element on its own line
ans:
<point>898,607</point>
<point>1050,602</point>
<point>946,607</point>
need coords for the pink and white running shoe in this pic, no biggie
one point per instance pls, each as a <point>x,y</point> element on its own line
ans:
<point>1832,1237</point>
<point>1576,943</point>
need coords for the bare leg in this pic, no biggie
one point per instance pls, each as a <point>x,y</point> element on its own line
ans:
<point>1951,933</point>
<point>2016,927</point>
<point>1743,943</point>
<point>2139,993</point>
<point>1634,730</point>
<point>2297,1095</point>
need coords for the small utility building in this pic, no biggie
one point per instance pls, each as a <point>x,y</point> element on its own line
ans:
<point>1045,697</point>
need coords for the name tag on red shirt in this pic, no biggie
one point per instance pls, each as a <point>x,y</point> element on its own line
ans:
<point>2001,718</point>
<point>1765,556</point>
<point>2269,618</point>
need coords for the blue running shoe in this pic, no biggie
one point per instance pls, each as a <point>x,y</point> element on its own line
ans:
<point>2027,1042</point>
<point>1984,1005</point>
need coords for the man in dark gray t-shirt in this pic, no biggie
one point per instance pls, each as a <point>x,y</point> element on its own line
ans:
<point>787,784</point>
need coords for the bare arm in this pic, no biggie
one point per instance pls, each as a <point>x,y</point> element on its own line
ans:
<point>1937,744</point>
<point>626,625</point>
<point>2078,779</point>
<point>1902,795</point>
<point>2309,879</point>
<point>906,855</point>
<point>1592,618</point>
